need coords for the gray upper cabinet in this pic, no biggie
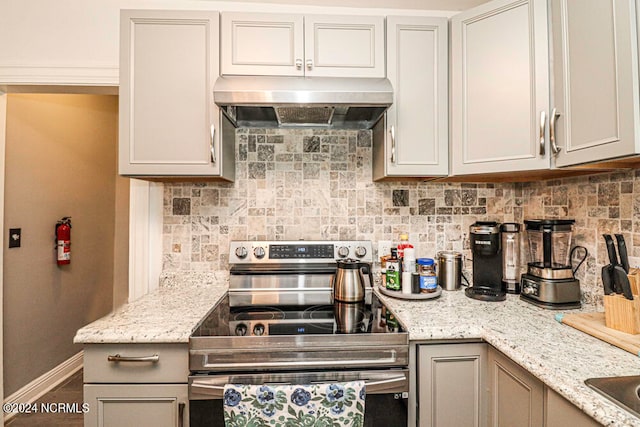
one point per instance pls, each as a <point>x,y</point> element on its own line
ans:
<point>169,125</point>
<point>518,103</point>
<point>302,45</point>
<point>595,80</point>
<point>416,135</point>
<point>499,88</point>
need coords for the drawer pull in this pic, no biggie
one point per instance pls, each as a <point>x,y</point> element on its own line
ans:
<point>117,358</point>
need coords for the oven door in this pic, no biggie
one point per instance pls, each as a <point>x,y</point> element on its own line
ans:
<point>385,405</point>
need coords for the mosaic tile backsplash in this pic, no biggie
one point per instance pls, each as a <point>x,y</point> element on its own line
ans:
<point>316,184</point>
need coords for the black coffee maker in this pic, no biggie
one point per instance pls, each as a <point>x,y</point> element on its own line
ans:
<point>487,262</point>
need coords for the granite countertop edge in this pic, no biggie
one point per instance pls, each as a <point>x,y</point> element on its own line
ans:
<point>526,334</point>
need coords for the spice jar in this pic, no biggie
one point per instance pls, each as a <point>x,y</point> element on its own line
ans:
<point>428,277</point>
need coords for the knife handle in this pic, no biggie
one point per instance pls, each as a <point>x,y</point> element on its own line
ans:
<point>622,251</point>
<point>611,249</point>
<point>607,279</point>
<point>621,282</point>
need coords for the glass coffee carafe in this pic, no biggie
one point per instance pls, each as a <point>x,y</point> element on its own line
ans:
<point>550,242</point>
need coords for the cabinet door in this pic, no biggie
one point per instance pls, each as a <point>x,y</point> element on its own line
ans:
<point>559,412</point>
<point>417,138</point>
<point>516,396</point>
<point>451,385</point>
<point>595,80</point>
<point>262,44</point>
<point>500,87</point>
<point>344,46</point>
<point>144,405</point>
<point>168,121</point>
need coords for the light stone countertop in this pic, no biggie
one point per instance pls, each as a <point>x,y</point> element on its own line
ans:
<point>167,315</point>
<point>560,356</point>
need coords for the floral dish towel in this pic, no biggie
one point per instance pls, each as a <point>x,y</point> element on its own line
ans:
<point>317,405</point>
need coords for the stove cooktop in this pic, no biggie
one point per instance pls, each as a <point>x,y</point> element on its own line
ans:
<point>262,321</point>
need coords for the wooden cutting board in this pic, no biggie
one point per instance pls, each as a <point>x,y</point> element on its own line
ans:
<point>593,324</point>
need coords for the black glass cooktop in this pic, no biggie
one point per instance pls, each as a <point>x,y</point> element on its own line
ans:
<point>337,318</point>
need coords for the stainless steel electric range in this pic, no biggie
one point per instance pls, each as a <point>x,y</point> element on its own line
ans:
<point>279,324</point>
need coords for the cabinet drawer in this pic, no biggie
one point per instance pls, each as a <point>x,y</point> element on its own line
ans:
<point>171,364</point>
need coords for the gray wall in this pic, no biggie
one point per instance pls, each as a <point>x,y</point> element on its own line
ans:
<point>60,161</point>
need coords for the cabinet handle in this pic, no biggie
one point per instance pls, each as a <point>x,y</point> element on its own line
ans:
<point>213,144</point>
<point>298,63</point>
<point>181,407</point>
<point>543,122</point>
<point>552,132</point>
<point>393,144</point>
<point>309,64</point>
<point>117,358</point>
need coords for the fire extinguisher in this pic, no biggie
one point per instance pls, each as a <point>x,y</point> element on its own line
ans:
<point>63,240</point>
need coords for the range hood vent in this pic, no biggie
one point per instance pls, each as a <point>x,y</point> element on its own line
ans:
<point>292,102</point>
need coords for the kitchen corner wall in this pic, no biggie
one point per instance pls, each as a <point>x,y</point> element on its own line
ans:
<point>316,184</point>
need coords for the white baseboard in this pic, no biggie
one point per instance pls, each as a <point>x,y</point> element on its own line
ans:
<point>45,383</point>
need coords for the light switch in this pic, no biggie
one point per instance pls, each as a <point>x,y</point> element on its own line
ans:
<point>15,237</point>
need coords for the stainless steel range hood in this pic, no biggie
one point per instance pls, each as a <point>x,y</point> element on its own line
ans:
<point>317,102</point>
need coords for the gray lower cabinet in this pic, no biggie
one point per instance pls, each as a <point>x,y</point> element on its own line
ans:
<point>516,396</point>
<point>136,385</point>
<point>559,412</point>
<point>451,390</point>
<point>139,405</point>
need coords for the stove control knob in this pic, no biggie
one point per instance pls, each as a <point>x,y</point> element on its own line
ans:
<point>241,330</point>
<point>528,290</point>
<point>343,251</point>
<point>259,252</point>
<point>361,251</point>
<point>241,252</point>
<point>258,329</point>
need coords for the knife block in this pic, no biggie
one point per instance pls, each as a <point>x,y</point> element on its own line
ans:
<point>622,314</point>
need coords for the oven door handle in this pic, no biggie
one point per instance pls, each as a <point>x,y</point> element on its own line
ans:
<point>306,364</point>
<point>214,390</point>
<point>377,386</point>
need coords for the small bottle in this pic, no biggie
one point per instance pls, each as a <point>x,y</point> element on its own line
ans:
<point>409,260</point>
<point>428,277</point>
<point>393,271</point>
<point>408,268</point>
<point>403,244</point>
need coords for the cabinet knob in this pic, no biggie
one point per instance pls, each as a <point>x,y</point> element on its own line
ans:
<point>299,64</point>
<point>309,64</point>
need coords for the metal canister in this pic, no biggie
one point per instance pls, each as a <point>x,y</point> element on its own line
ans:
<point>449,270</point>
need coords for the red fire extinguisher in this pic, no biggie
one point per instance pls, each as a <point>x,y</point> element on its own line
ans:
<point>63,240</point>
